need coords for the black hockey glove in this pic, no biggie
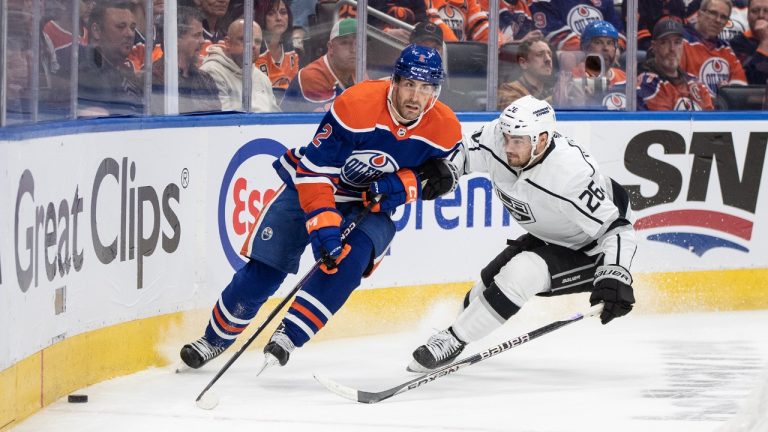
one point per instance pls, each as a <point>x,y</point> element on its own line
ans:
<point>613,287</point>
<point>438,177</point>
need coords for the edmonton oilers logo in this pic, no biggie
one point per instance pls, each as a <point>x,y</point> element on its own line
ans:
<point>580,16</point>
<point>732,29</point>
<point>363,167</point>
<point>714,71</point>
<point>454,19</point>
<point>615,101</point>
<point>378,161</point>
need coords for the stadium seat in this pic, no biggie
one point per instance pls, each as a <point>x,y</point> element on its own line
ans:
<point>740,98</point>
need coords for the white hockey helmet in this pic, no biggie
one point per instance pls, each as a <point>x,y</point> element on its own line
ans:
<point>528,116</point>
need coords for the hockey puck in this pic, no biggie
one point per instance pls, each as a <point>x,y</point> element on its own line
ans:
<point>77,398</point>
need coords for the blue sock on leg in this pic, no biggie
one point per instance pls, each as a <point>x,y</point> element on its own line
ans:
<point>250,287</point>
<point>324,294</point>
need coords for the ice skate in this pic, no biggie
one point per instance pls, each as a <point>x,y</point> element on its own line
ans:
<point>440,350</point>
<point>277,350</point>
<point>196,354</point>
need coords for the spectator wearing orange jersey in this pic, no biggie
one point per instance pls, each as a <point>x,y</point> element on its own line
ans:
<point>280,62</point>
<point>460,20</point>
<point>751,47</point>
<point>318,84</point>
<point>665,86</point>
<point>707,56</point>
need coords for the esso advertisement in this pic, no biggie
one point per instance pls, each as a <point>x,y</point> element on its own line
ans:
<point>248,184</point>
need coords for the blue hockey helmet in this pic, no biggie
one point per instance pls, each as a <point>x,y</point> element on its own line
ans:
<point>598,28</point>
<point>420,63</point>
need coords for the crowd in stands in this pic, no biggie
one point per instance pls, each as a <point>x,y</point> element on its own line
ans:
<point>569,52</point>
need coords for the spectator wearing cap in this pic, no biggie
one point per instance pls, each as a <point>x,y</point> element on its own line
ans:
<point>705,54</point>
<point>224,63</point>
<point>665,86</point>
<point>427,34</point>
<point>649,12</point>
<point>317,85</point>
<point>751,47</point>
<point>600,38</point>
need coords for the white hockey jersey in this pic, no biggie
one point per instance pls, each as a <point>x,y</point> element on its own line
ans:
<point>562,199</point>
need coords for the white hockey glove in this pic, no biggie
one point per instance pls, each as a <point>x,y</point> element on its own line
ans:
<point>613,287</point>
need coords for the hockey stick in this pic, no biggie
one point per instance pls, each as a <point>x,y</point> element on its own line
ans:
<point>209,404</point>
<point>374,397</point>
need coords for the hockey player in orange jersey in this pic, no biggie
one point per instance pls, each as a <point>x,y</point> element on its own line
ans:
<point>384,138</point>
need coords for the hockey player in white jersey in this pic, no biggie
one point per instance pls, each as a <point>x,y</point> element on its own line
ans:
<point>579,228</point>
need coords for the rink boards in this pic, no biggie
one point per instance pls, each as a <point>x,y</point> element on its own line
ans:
<point>119,235</point>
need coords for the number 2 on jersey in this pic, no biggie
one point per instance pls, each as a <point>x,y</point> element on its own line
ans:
<point>323,134</point>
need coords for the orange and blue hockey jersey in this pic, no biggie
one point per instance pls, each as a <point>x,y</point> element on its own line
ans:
<point>685,93</point>
<point>614,98</point>
<point>460,20</point>
<point>711,61</point>
<point>515,20</point>
<point>313,89</point>
<point>358,141</point>
<point>280,74</point>
<point>562,21</point>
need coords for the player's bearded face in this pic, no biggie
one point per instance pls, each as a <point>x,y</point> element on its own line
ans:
<point>517,149</point>
<point>411,97</point>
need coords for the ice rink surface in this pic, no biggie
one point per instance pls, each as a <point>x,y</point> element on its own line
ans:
<point>680,372</point>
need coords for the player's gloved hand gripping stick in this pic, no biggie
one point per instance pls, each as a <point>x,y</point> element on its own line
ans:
<point>321,261</point>
<point>395,189</point>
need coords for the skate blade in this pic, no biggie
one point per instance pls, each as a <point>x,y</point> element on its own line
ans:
<point>415,367</point>
<point>181,367</point>
<point>269,361</point>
